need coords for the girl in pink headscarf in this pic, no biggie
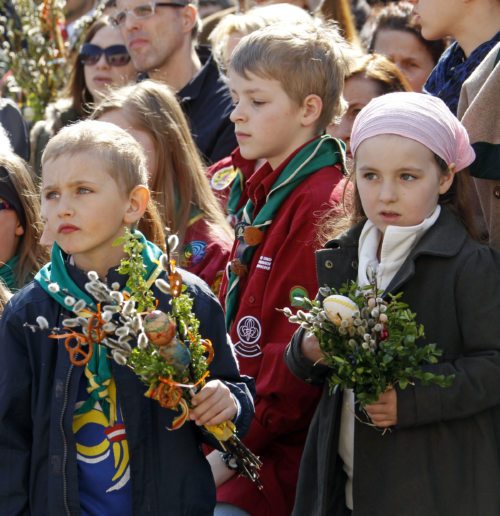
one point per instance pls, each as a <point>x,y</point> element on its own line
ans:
<point>409,223</point>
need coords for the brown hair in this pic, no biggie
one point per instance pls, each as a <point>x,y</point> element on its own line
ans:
<point>399,16</point>
<point>122,157</point>
<point>340,11</point>
<point>76,89</point>
<point>32,256</point>
<point>457,198</point>
<point>306,59</point>
<point>383,71</point>
<point>179,183</point>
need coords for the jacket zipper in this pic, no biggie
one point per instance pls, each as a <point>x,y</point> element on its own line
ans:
<point>65,444</point>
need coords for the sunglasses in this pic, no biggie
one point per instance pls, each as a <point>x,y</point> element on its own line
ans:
<point>142,11</point>
<point>116,55</point>
<point>4,205</point>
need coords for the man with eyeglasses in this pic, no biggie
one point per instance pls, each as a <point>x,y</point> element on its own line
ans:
<point>161,39</point>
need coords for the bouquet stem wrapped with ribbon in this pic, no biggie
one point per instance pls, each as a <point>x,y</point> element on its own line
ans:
<point>370,344</point>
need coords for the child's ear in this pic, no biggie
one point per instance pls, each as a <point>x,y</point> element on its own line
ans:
<point>311,109</point>
<point>19,229</point>
<point>137,202</point>
<point>446,179</point>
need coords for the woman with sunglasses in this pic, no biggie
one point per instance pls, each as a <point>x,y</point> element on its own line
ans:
<point>101,63</point>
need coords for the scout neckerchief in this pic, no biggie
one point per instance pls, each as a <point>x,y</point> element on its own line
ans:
<point>321,152</point>
<point>235,193</point>
<point>97,369</point>
<point>7,273</point>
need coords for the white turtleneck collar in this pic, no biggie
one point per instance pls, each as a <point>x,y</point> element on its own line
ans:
<point>397,244</point>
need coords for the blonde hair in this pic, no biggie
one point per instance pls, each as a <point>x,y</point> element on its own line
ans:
<point>179,183</point>
<point>121,155</point>
<point>31,255</point>
<point>250,21</point>
<point>306,59</point>
<point>5,295</point>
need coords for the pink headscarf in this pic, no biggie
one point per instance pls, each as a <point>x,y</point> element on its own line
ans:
<point>417,116</point>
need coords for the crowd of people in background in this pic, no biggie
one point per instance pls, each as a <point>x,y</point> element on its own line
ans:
<point>289,146</point>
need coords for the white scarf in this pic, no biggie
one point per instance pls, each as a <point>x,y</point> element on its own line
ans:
<point>397,244</point>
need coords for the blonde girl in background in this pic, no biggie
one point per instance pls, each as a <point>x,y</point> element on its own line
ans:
<point>150,112</point>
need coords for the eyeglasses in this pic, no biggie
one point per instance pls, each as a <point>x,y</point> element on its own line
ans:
<point>4,205</point>
<point>142,11</point>
<point>116,55</point>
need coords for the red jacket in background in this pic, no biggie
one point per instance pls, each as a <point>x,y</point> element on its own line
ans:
<point>283,265</point>
<point>206,251</point>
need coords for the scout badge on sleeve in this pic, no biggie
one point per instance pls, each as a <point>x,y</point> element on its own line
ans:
<point>171,357</point>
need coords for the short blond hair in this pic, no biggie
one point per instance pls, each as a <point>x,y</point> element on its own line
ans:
<point>245,23</point>
<point>122,157</point>
<point>309,58</point>
<point>121,154</point>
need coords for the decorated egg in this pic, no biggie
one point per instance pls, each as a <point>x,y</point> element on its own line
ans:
<point>339,308</point>
<point>159,327</point>
<point>177,354</point>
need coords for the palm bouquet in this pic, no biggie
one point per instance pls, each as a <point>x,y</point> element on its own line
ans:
<point>165,350</point>
<point>370,344</point>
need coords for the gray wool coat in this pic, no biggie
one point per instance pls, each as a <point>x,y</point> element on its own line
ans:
<point>443,457</point>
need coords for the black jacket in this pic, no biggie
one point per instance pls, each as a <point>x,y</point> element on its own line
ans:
<point>443,458</point>
<point>38,389</point>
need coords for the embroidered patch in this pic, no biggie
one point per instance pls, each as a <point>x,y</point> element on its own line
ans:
<point>296,293</point>
<point>223,178</point>
<point>249,331</point>
<point>264,263</point>
<point>193,253</point>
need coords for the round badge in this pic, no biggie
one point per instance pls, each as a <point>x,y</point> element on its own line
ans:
<point>223,178</point>
<point>252,235</point>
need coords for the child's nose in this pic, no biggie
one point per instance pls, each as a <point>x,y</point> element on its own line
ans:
<point>237,114</point>
<point>387,192</point>
<point>64,208</point>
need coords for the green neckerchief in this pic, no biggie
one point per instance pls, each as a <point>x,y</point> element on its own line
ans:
<point>235,195</point>
<point>321,152</point>
<point>97,369</point>
<point>7,273</point>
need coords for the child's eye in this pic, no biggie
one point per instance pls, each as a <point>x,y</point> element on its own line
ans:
<point>408,177</point>
<point>51,195</point>
<point>370,176</point>
<point>258,103</point>
<point>83,190</point>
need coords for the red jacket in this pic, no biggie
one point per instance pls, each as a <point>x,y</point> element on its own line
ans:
<point>283,263</point>
<point>223,174</point>
<point>205,252</point>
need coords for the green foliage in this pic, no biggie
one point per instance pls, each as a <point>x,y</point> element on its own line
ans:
<point>35,53</point>
<point>379,348</point>
<point>133,267</point>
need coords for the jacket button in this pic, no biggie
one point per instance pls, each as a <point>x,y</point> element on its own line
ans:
<point>329,264</point>
<point>354,264</point>
<point>496,192</point>
<point>251,299</point>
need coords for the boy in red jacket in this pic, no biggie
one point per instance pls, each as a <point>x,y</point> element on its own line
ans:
<point>286,84</point>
